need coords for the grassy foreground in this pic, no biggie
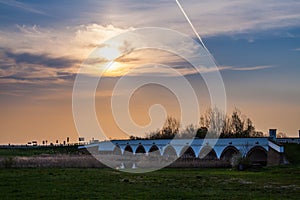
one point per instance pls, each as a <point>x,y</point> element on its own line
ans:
<point>34,151</point>
<point>292,152</point>
<point>267,183</point>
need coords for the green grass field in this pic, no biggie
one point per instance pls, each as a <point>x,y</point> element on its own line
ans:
<point>266,183</point>
<point>74,183</point>
<point>292,152</point>
<point>33,151</point>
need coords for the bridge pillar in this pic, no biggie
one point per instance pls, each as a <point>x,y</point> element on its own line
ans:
<point>219,150</point>
<point>178,149</point>
<point>196,149</point>
<point>122,147</point>
<point>147,148</point>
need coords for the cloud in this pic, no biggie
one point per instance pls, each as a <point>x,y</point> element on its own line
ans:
<point>22,6</point>
<point>209,17</point>
<point>298,49</point>
<point>41,56</point>
<point>40,53</point>
<point>231,17</point>
<point>155,70</point>
<point>35,68</point>
<point>226,68</point>
<point>76,42</point>
<point>41,59</point>
<point>250,68</point>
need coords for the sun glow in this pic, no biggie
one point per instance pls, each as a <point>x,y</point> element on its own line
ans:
<point>109,53</point>
<point>115,69</point>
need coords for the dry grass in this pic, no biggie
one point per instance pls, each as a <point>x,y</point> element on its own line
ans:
<point>88,161</point>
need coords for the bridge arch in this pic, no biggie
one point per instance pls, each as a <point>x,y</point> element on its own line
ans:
<point>187,152</point>
<point>154,151</point>
<point>208,153</point>
<point>257,155</point>
<point>128,150</point>
<point>140,149</point>
<point>169,151</point>
<point>228,153</point>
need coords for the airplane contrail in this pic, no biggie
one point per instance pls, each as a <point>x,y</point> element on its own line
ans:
<point>189,21</point>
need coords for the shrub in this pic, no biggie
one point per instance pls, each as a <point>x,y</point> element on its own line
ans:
<point>240,162</point>
<point>9,162</point>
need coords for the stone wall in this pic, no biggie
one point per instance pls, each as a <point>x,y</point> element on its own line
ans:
<point>275,158</point>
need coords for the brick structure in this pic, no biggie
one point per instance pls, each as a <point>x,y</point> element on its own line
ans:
<point>275,157</point>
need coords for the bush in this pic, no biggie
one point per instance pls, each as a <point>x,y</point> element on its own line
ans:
<point>240,162</point>
<point>9,162</point>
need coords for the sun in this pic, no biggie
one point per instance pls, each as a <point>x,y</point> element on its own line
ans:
<point>109,53</point>
<point>115,69</point>
<point>114,66</point>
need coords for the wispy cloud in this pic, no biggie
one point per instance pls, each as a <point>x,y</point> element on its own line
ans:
<point>298,49</point>
<point>22,6</point>
<point>210,18</point>
<point>227,68</point>
<point>223,17</point>
<point>76,42</point>
<point>35,68</point>
<point>250,68</point>
<point>41,59</point>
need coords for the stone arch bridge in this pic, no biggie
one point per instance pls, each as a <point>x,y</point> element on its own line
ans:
<point>258,150</point>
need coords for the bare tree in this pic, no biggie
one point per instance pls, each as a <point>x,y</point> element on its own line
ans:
<point>250,130</point>
<point>213,120</point>
<point>217,123</point>
<point>189,131</point>
<point>281,135</point>
<point>257,134</point>
<point>171,127</point>
<point>227,131</point>
<point>237,124</point>
<point>213,123</point>
<point>169,130</point>
<point>172,124</point>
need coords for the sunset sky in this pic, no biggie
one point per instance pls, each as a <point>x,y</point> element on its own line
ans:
<point>256,45</point>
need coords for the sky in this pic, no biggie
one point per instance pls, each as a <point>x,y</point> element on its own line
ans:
<point>44,44</point>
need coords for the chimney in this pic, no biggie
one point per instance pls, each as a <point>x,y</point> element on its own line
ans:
<point>272,134</point>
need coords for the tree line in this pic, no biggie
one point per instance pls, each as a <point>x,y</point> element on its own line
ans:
<point>213,124</point>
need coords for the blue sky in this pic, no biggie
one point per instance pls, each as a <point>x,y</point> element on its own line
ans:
<point>256,45</point>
